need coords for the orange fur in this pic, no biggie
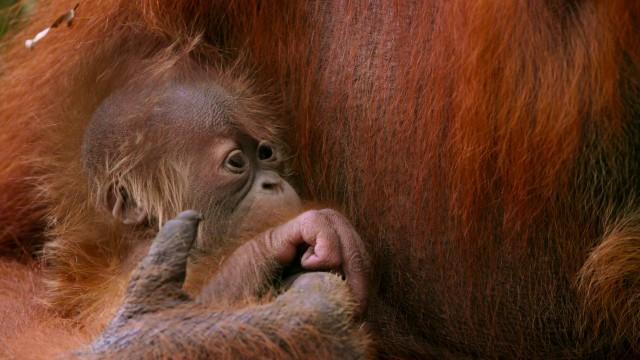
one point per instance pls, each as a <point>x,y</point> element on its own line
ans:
<point>609,284</point>
<point>477,145</point>
<point>29,330</point>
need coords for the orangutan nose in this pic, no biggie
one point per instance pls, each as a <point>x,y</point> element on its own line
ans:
<point>271,182</point>
<point>273,192</point>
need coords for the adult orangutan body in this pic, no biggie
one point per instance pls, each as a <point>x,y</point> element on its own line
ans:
<point>485,151</point>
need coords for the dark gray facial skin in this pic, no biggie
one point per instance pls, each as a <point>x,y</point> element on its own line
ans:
<point>233,178</point>
<point>240,188</point>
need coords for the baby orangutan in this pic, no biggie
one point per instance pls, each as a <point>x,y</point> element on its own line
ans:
<point>202,141</point>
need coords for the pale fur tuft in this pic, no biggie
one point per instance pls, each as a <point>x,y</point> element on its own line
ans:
<point>609,285</point>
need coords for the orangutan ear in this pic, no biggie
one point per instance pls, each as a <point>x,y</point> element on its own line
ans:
<point>124,208</point>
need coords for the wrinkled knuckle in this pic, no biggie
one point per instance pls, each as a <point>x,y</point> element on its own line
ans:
<point>338,219</point>
<point>357,263</point>
<point>331,213</point>
<point>328,211</point>
<point>268,238</point>
<point>312,218</point>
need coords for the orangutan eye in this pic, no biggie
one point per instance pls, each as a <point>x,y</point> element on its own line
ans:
<point>236,162</point>
<point>266,152</point>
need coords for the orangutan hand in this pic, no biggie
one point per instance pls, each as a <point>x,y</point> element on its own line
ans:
<point>329,242</point>
<point>158,319</point>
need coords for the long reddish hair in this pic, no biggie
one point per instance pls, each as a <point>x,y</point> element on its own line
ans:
<point>494,136</point>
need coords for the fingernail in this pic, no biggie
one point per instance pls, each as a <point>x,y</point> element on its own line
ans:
<point>190,215</point>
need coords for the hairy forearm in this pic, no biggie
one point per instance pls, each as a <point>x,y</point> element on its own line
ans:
<point>254,264</point>
<point>279,329</point>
